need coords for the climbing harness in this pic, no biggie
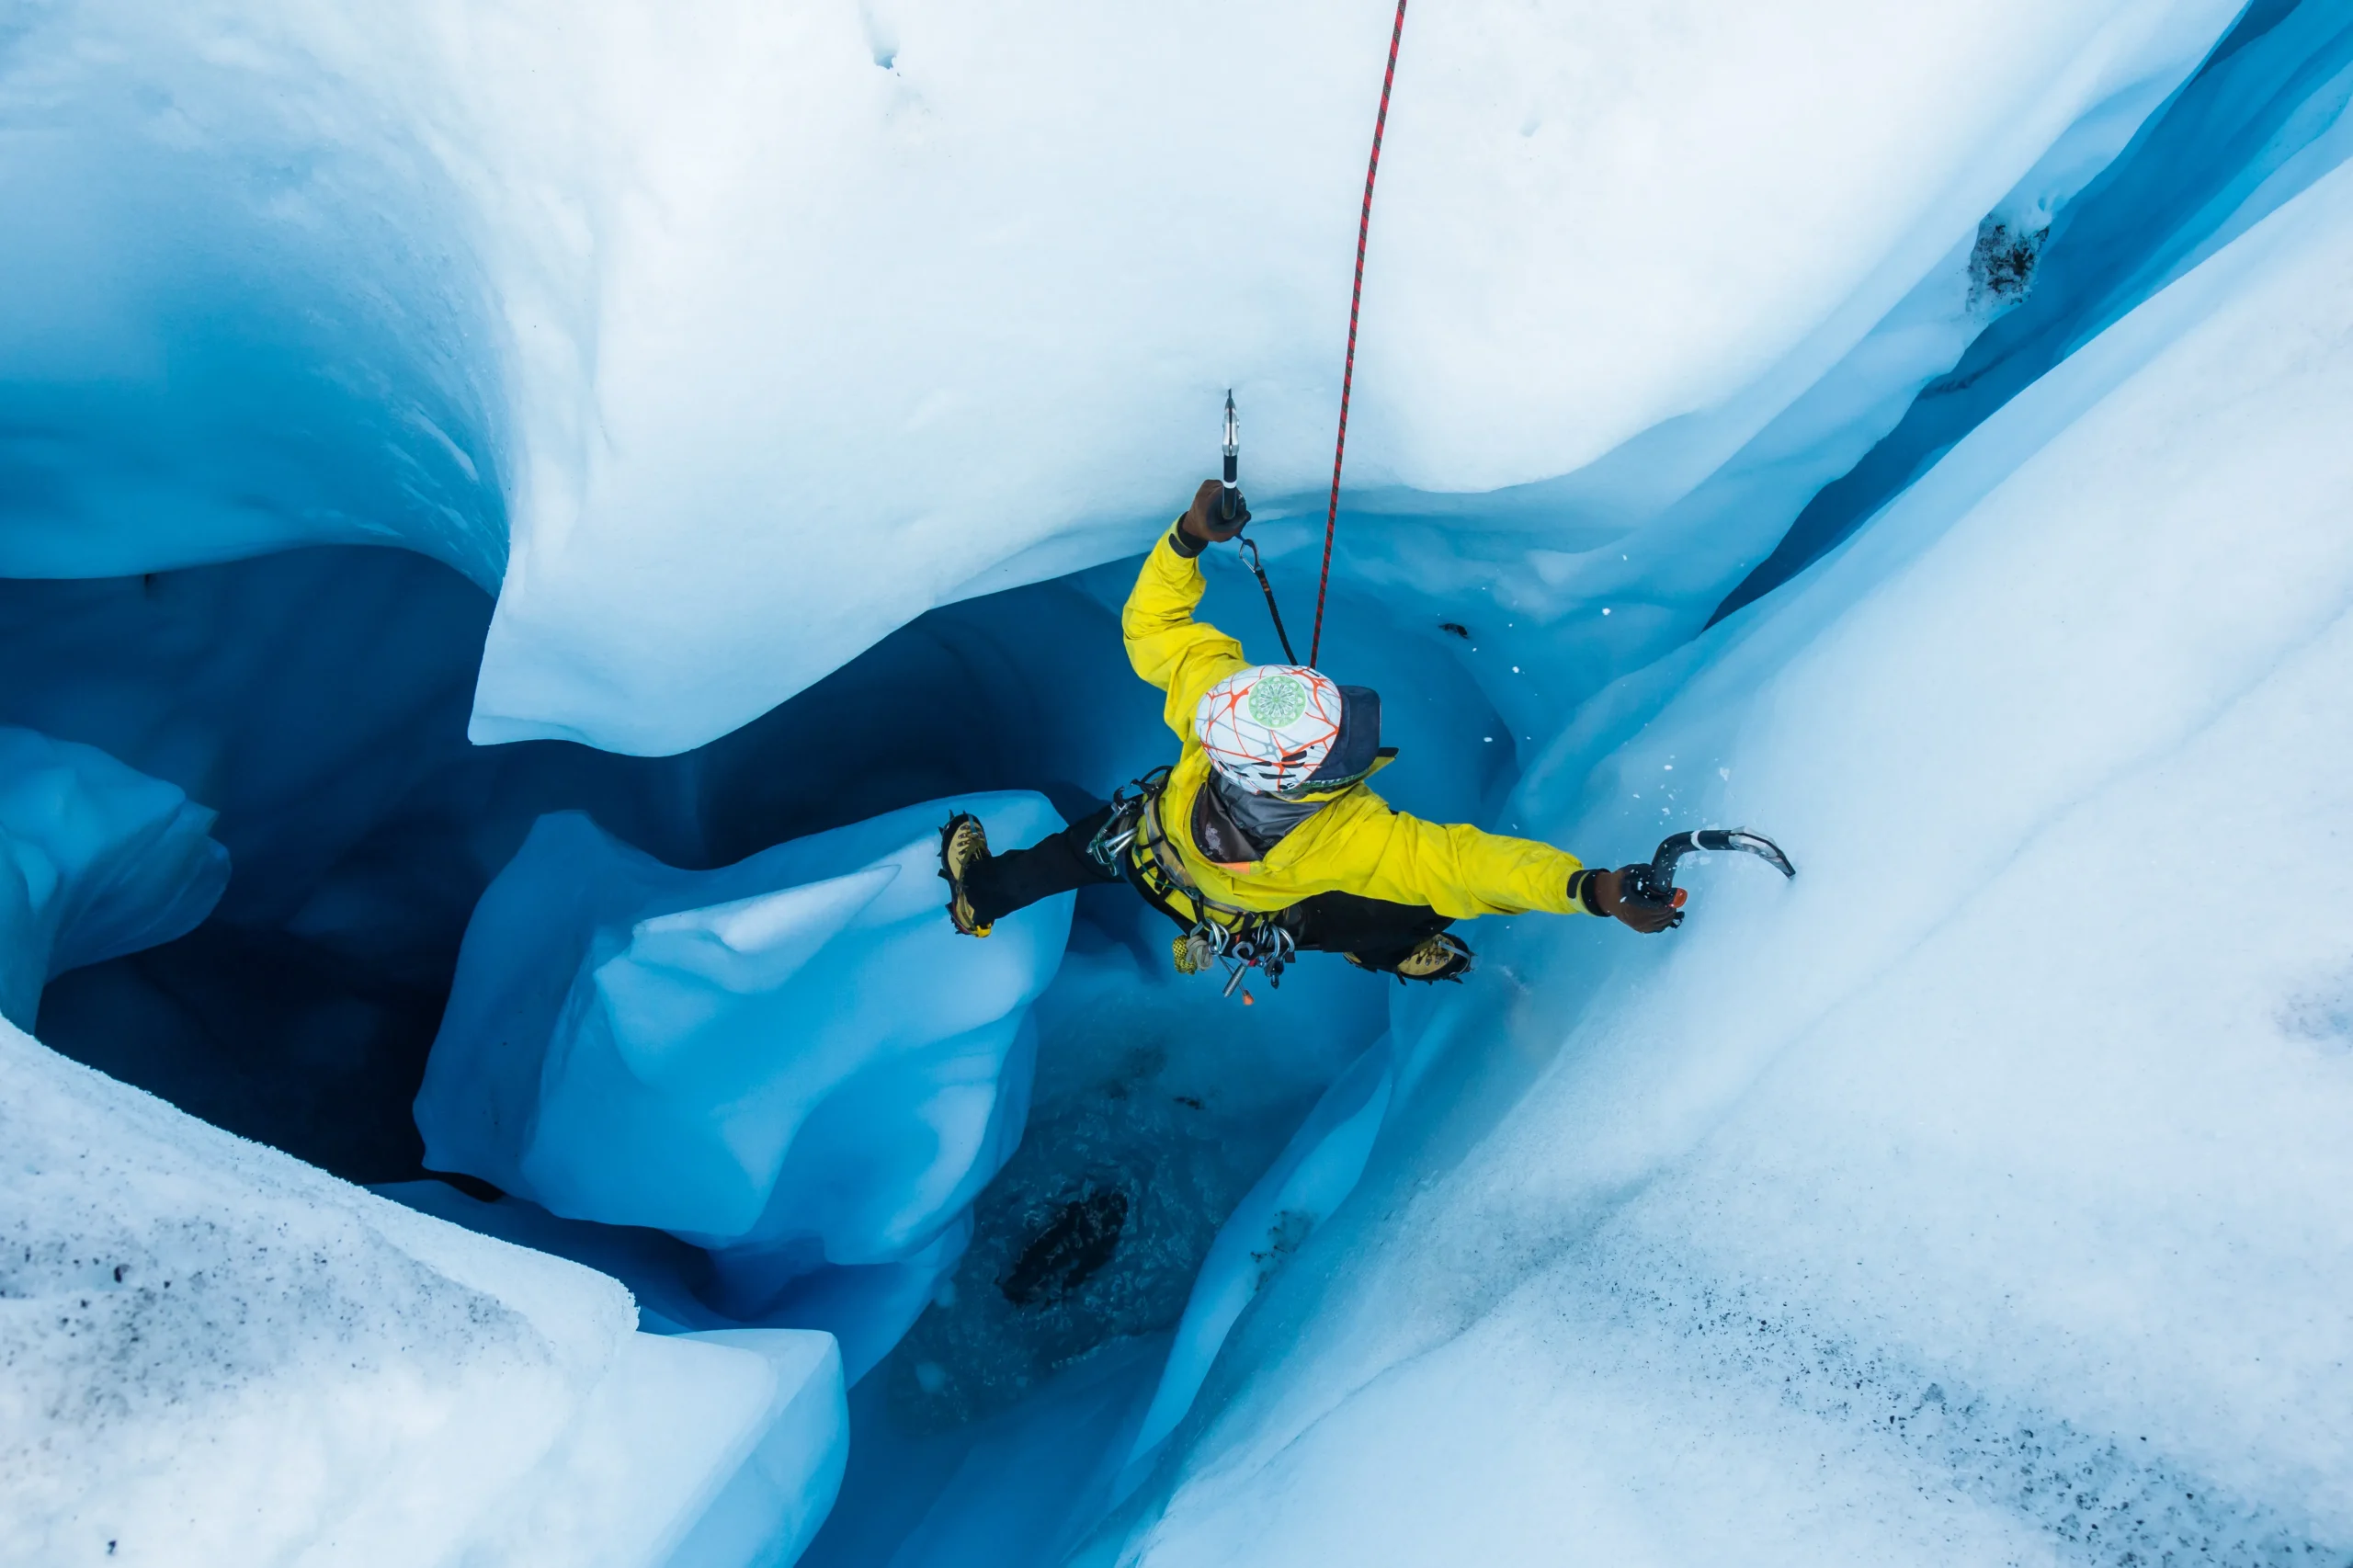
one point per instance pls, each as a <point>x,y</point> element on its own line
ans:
<point>1356,301</point>
<point>1242,939</point>
<point>1131,843</point>
<point>1109,848</point>
<point>1654,884</point>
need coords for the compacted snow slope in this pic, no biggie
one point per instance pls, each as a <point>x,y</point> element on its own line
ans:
<point>212,1353</point>
<point>1979,1194</point>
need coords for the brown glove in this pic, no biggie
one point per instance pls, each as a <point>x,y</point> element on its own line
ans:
<point>1606,891</point>
<point>1206,522</point>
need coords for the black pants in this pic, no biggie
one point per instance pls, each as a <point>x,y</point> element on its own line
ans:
<point>1019,878</point>
<point>1375,932</point>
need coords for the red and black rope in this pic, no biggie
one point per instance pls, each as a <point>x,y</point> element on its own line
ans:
<point>1356,301</point>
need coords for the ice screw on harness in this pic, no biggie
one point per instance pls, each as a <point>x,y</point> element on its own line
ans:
<point>1654,884</point>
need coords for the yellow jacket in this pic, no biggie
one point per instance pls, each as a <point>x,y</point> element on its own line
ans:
<point>1358,844</point>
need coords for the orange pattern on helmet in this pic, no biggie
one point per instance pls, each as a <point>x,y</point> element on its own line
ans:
<point>1269,727</point>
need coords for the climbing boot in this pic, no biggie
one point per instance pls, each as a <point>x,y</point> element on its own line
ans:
<point>1193,952</point>
<point>963,843</point>
<point>1442,956</point>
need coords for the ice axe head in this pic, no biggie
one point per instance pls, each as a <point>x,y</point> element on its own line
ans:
<point>1654,883</point>
<point>1231,453</point>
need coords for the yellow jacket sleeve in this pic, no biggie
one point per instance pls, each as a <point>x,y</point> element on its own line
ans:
<point>1183,657</point>
<point>1461,872</point>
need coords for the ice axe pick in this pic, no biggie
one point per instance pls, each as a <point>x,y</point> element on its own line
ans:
<point>1654,884</point>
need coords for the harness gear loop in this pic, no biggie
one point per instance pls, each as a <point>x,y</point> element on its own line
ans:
<point>1355,299</point>
<point>1134,844</point>
<point>1109,847</point>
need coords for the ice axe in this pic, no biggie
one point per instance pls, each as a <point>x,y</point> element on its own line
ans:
<point>1231,498</point>
<point>1230,504</point>
<point>1654,884</point>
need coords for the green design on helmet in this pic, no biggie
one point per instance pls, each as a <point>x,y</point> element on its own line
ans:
<point>1277,701</point>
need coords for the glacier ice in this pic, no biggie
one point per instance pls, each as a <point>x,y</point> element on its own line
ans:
<point>721,1449</point>
<point>1972,1197</point>
<point>1314,1172</point>
<point>317,700</point>
<point>1014,1490</point>
<point>772,1507</point>
<point>243,321</point>
<point>1968,1200</point>
<point>2259,120</point>
<point>95,861</point>
<point>739,1058</point>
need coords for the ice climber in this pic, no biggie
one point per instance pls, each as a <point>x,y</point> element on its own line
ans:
<point>1264,839</point>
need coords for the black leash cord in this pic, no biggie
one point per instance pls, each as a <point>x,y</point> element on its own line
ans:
<point>1249,549</point>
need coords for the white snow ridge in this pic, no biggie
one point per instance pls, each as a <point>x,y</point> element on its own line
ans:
<point>519,522</point>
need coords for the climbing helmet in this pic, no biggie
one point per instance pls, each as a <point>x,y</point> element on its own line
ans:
<point>1268,728</point>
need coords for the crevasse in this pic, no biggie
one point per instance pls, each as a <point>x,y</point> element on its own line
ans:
<point>1915,434</point>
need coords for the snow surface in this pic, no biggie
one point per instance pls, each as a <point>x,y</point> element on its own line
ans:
<point>95,861</point>
<point>1977,1195</point>
<point>212,1353</point>
<point>724,346</point>
<point>215,1353</point>
<point>743,1057</point>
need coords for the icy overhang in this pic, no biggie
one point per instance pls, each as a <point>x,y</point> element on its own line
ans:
<point>725,346</point>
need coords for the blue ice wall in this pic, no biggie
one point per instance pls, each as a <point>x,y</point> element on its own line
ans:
<point>318,697</point>
<point>240,323</point>
<point>95,861</point>
<point>794,1061</point>
<point>317,700</point>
